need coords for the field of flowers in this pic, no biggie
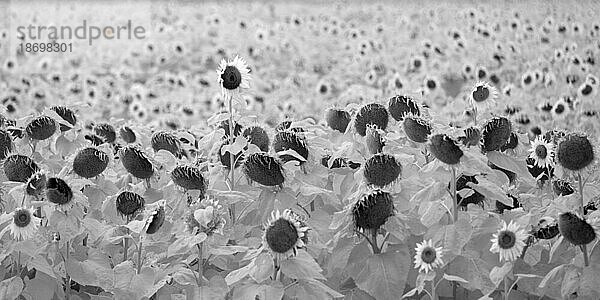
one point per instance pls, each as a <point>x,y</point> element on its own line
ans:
<point>268,151</point>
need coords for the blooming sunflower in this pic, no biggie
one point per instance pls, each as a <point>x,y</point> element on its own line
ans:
<point>24,223</point>
<point>233,75</point>
<point>428,257</point>
<point>483,96</point>
<point>509,241</point>
<point>542,152</point>
<point>284,234</point>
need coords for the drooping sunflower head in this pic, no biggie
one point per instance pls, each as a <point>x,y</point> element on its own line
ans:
<point>156,219</point>
<point>136,162</point>
<point>106,132</point>
<point>289,140</point>
<point>337,119</point>
<point>41,128</point>
<point>19,168</point>
<point>496,133</point>
<point>36,184</point>
<point>189,178</point>
<point>372,210</point>
<point>66,114</point>
<point>284,234</point>
<point>264,169</point>
<point>129,204</point>
<point>127,134</point>
<point>402,105</point>
<point>562,187</point>
<point>90,162</point>
<point>59,192</point>
<point>374,140</point>
<point>471,138</point>
<point>258,136</point>
<point>6,143</point>
<point>575,152</point>
<point>381,170</point>
<point>372,113</point>
<point>575,229</point>
<point>445,148</point>
<point>164,140</point>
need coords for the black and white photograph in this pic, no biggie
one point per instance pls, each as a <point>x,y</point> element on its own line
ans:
<point>299,150</point>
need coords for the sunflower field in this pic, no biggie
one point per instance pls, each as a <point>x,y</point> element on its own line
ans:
<point>316,150</point>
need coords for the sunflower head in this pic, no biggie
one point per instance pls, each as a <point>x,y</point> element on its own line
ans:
<point>289,140</point>
<point>36,184</point>
<point>373,139</point>
<point>546,229</point>
<point>90,162</point>
<point>446,149</point>
<point>106,132</point>
<point>6,144</point>
<point>337,119</point>
<point>496,133</point>
<point>156,220</point>
<point>127,134</point>
<point>136,162</point>
<point>542,152</point>
<point>58,191</point>
<point>575,229</point>
<point>19,168</point>
<point>471,138</point>
<point>233,74</point>
<point>372,113</point>
<point>402,105</point>
<point>509,241</point>
<point>129,204</point>
<point>264,169</point>
<point>483,95</point>
<point>41,128</point>
<point>562,187</point>
<point>164,140</point>
<point>427,256</point>
<point>371,211</point>
<point>66,114</point>
<point>381,170</point>
<point>284,234</point>
<point>189,178</point>
<point>24,223</point>
<point>575,152</point>
<point>258,136</point>
<point>417,129</point>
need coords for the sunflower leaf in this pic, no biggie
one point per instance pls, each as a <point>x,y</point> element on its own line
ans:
<point>11,288</point>
<point>499,273</point>
<point>302,266</point>
<point>384,275</point>
<point>263,268</point>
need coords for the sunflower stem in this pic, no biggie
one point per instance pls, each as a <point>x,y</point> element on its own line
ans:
<point>506,289</point>
<point>18,263</point>
<point>139,260</point>
<point>586,260</point>
<point>275,269</point>
<point>376,249</point>
<point>66,258</point>
<point>433,291</point>
<point>453,194</point>
<point>200,263</point>
<point>231,157</point>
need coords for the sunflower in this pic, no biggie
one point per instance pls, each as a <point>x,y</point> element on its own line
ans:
<point>483,95</point>
<point>542,152</point>
<point>428,257</point>
<point>284,234</point>
<point>24,224</point>
<point>509,241</point>
<point>233,75</point>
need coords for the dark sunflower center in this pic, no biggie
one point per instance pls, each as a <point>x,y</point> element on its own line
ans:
<point>559,109</point>
<point>481,94</point>
<point>431,84</point>
<point>541,151</point>
<point>506,239</point>
<point>232,78</point>
<point>428,255</point>
<point>281,236</point>
<point>22,218</point>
